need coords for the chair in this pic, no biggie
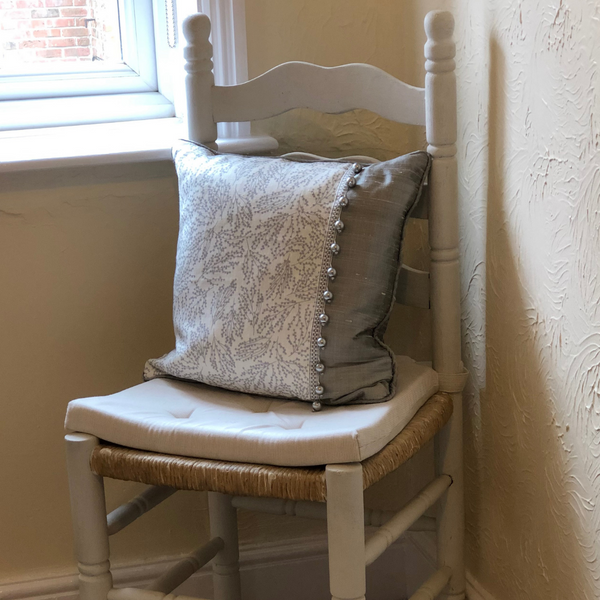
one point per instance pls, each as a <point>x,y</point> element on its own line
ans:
<point>333,489</point>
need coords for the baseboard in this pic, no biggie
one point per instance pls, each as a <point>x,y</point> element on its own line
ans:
<point>424,543</point>
<point>475,591</point>
<point>295,570</point>
<point>291,570</point>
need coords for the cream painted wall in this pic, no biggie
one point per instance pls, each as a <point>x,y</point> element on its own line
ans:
<point>85,294</point>
<point>530,207</point>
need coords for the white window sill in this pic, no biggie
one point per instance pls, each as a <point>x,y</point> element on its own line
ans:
<point>101,144</point>
<point>16,115</point>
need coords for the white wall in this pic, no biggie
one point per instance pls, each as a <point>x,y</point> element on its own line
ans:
<point>529,133</point>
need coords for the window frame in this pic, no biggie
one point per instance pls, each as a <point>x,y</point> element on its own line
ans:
<point>136,74</point>
<point>147,123</point>
<point>138,89</point>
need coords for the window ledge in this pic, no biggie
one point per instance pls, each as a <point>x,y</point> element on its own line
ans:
<point>101,144</point>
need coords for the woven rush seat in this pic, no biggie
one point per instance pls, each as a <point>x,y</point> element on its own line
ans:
<point>199,421</point>
<point>243,479</point>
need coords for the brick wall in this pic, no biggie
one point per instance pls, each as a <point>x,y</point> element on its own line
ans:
<point>56,31</point>
<point>104,30</point>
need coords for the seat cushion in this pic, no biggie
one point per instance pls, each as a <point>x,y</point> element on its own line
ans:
<point>197,420</point>
<point>286,273</point>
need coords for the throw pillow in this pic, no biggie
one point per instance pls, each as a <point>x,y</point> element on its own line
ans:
<point>286,274</point>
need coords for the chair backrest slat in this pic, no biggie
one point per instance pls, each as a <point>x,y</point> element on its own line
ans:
<point>413,287</point>
<point>325,89</point>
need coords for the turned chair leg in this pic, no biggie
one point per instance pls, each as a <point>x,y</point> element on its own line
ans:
<point>346,531</point>
<point>226,565</point>
<point>451,512</point>
<point>88,512</point>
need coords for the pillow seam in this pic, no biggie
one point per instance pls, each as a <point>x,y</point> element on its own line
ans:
<point>377,330</point>
<point>330,238</point>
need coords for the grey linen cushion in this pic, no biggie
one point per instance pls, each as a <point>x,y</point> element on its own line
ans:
<point>286,274</point>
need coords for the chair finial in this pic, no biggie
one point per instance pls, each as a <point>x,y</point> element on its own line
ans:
<point>439,25</point>
<point>440,48</point>
<point>196,28</point>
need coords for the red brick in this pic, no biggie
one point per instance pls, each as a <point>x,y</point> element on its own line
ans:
<point>50,3</point>
<point>73,12</point>
<point>30,4</point>
<point>33,44</point>
<point>39,33</point>
<point>37,24</point>
<point>18,14</point>
<point>64,23</point>
<point>44,13</point>
<point>56,53</point>
<point>75,32</point>
<point>77,52</point>
<point>62,42</point>
<point>83,41</point>
<point>24,24</point>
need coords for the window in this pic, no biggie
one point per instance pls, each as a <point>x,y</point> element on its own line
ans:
<point>137,75</point>
<point>66,62</point>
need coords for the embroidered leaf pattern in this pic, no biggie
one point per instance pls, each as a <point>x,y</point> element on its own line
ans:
<point>251,239</point>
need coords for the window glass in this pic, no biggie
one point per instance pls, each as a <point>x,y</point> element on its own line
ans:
<point>42,36</point>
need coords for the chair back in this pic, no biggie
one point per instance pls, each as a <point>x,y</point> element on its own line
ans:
<point>341,89</point>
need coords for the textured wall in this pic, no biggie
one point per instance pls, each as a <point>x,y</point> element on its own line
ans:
<point>531,263</point>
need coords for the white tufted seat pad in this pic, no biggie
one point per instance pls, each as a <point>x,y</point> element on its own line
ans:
<point>196,420</point>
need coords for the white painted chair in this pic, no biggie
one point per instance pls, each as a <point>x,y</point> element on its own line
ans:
<point>332,491</point>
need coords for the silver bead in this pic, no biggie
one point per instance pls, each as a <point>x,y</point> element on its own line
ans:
<point>331,273</point>
<point>334,248</point>
<point>351,182</point>
<point>323,319</point>
<point>321,342</point>
<point>316,406</point>
<point>320,368</point>
<point>357,168</point>
<point>343,201</point>
<point>328,296</point>
<point>339,226</point>
<point>319,390</point>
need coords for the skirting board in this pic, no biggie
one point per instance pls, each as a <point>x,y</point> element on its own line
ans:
<point>424,542</point>
<point>294,570</point>
<point>285,570</point>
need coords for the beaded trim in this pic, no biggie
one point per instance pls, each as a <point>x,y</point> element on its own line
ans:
<point>335,227</point>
